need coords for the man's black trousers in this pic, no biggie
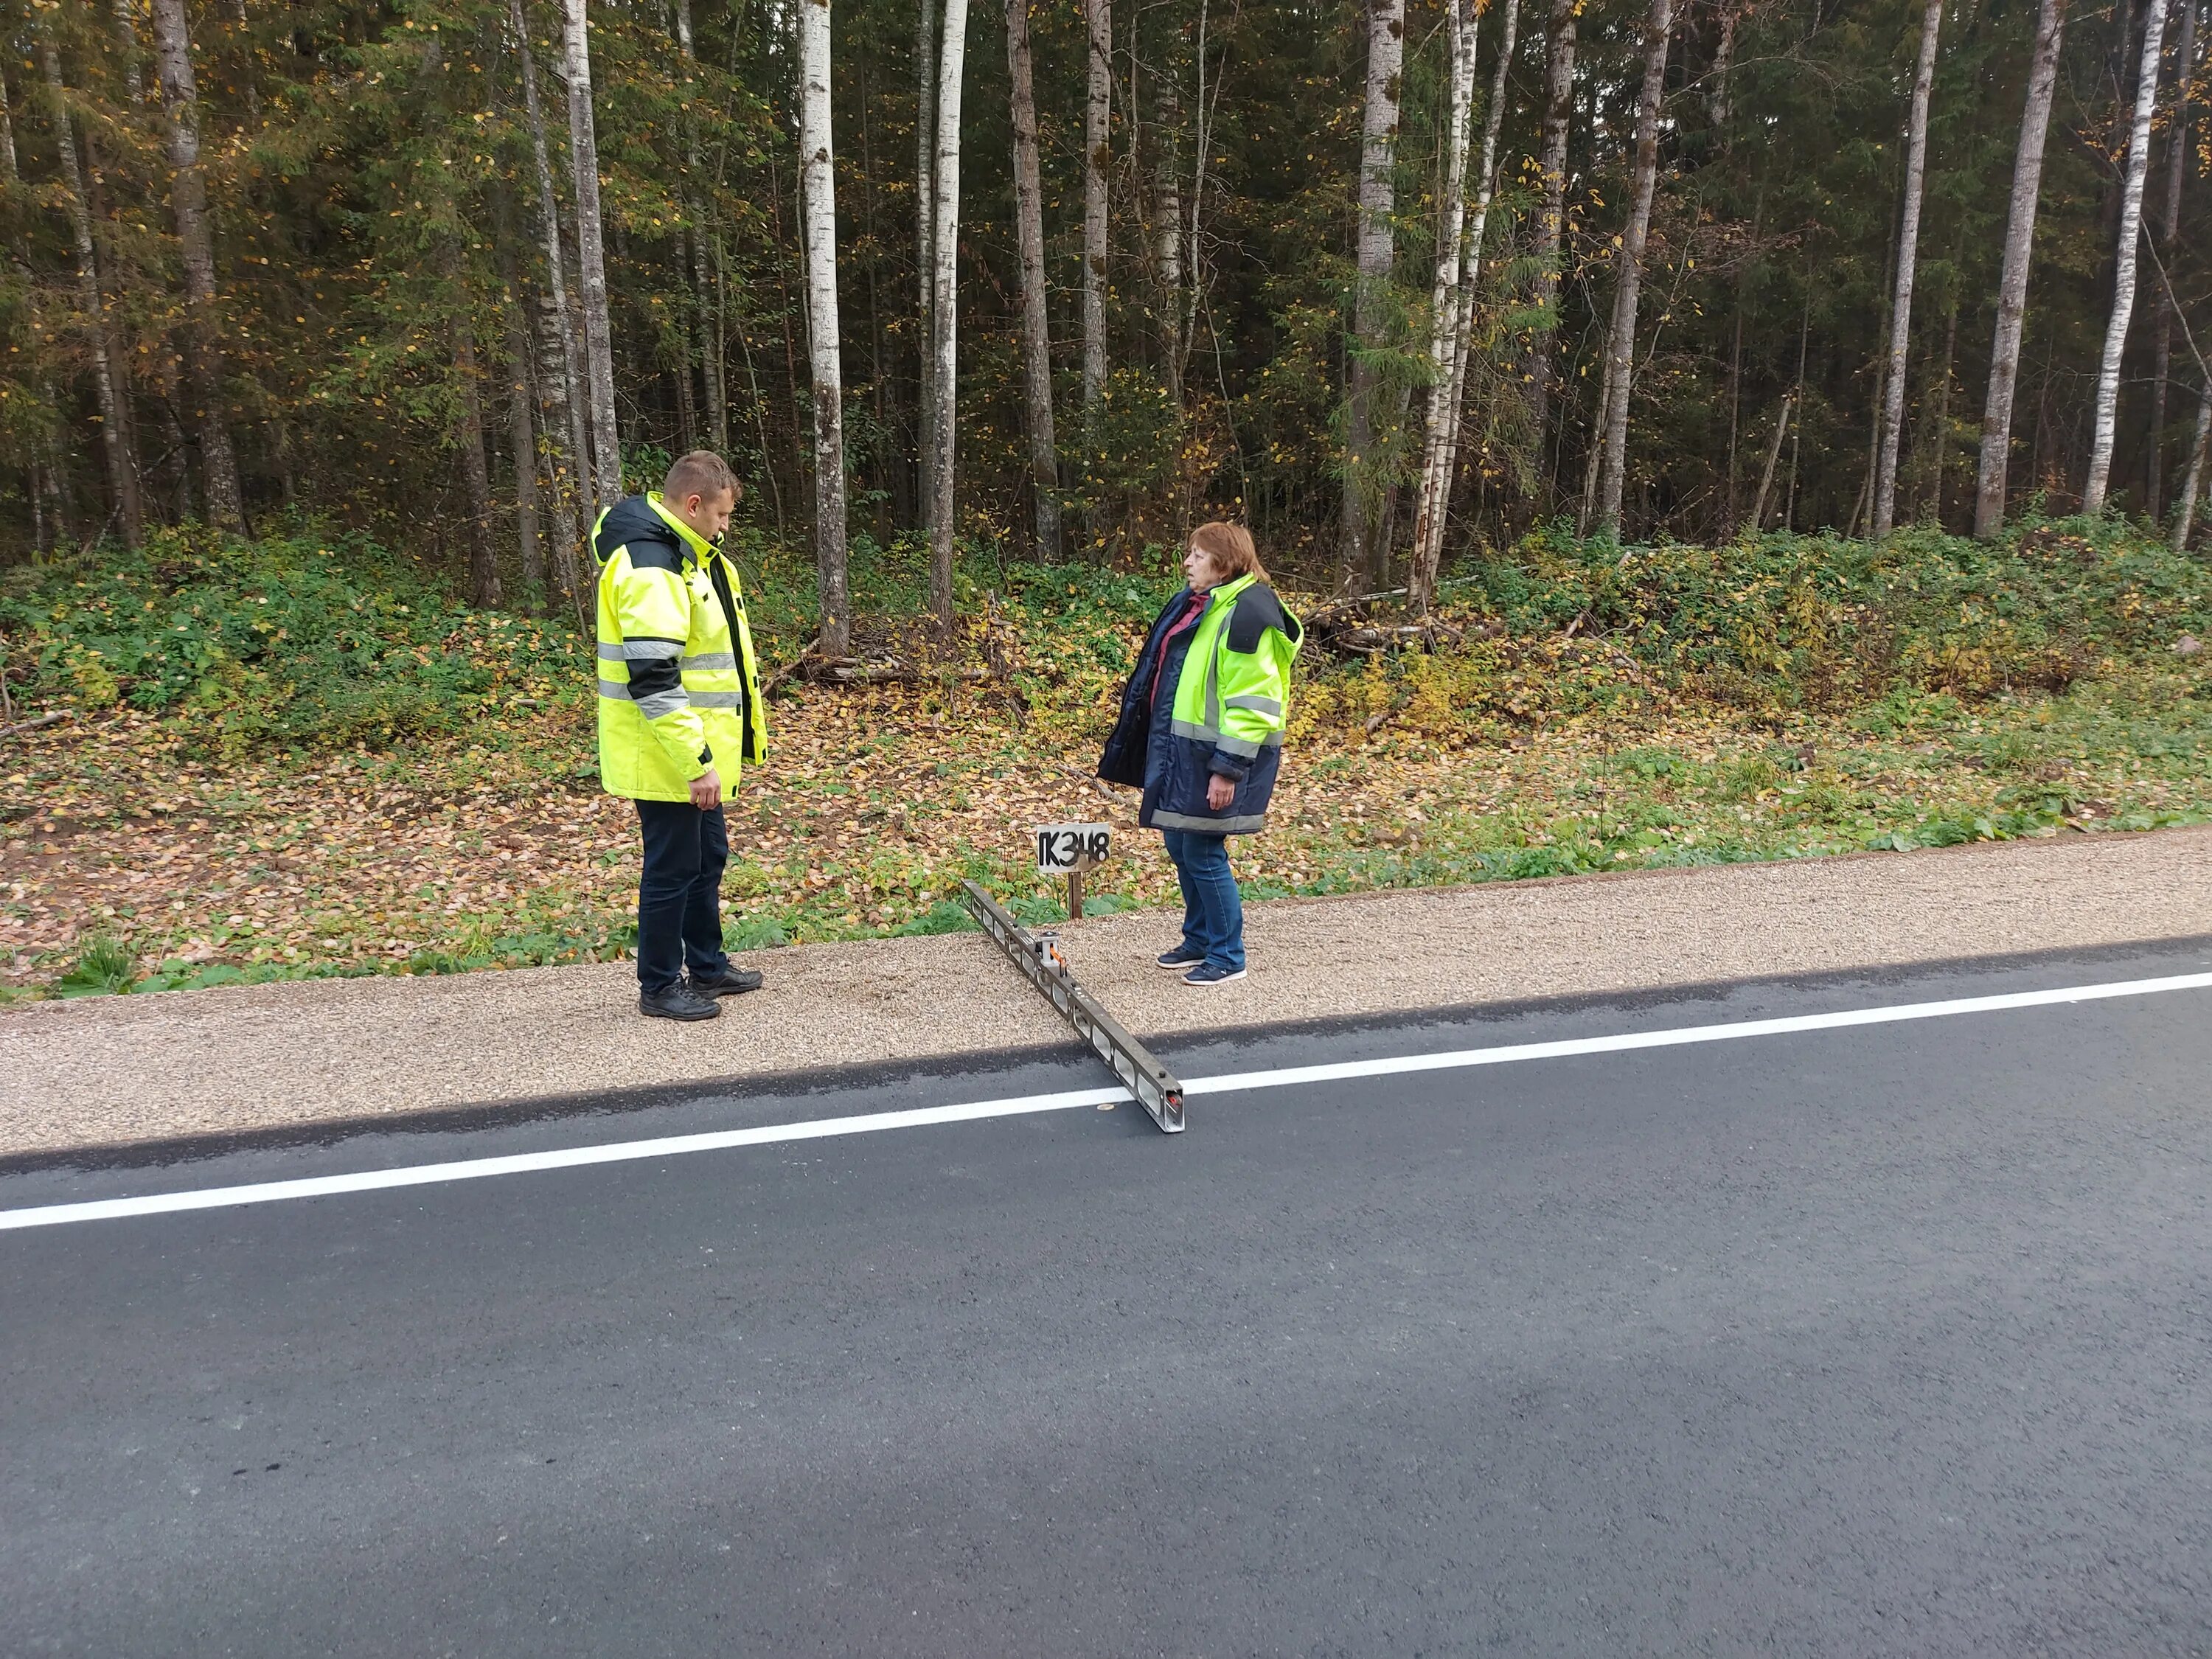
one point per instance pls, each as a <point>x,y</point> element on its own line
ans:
<point>679,893</point>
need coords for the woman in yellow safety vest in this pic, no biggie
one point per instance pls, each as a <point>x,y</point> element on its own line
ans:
<point>1201,732</point>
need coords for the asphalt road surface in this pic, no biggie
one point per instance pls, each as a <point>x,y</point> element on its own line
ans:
<point>1894,1339</point>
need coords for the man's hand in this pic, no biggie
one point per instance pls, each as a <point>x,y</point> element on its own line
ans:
<point>1220,792</point>
<point>707,790</point>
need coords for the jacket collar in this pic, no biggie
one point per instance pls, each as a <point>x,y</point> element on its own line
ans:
<point>1229,590</point>
<point>699,547</point>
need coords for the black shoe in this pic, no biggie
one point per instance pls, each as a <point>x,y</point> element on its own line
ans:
<point>731,981</point>
<point>1212,973</point>
<point>678,1001</point>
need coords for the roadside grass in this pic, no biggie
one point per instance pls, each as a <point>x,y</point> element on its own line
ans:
<point>167,838</point>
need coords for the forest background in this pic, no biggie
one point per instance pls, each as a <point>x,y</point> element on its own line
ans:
<point>1606,341</point>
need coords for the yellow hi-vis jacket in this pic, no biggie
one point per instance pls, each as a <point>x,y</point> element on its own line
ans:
<point>679,686</point>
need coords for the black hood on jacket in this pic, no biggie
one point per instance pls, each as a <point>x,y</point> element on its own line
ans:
<point>632,523</point>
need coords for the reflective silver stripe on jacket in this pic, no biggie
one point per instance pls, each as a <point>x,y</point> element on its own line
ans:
<point>711,659</point>
<point>1250,824</point>
<point>639,650</point>
<point>1252,700</point>
<point>658,703</point>
<point>1221,739</point>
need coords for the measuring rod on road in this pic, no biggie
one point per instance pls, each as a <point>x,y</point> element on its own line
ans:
<point>1038,957</point>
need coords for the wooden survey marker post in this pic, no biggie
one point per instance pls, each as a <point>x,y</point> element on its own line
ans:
<point>1068,850</point>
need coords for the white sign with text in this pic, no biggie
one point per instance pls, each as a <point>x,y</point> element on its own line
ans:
<point>1066,849</point>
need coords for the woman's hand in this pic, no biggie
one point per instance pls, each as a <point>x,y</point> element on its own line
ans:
<point>1220,792</point>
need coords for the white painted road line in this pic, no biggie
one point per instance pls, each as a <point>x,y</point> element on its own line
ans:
<point>478,1169</point>
<point>1687,1034</point>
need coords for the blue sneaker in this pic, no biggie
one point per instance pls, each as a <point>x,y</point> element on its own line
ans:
<point>1182,956</point>
<point>1212,973</point>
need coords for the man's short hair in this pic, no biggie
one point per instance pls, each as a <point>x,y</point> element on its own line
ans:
<point>701,473</point>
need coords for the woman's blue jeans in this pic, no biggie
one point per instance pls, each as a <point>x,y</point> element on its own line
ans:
<point>1213,913</point>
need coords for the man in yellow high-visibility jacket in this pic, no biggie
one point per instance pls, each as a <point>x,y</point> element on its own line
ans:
<point>680,714</point>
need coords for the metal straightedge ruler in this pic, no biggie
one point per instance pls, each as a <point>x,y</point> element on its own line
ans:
<point>1153,1085</point>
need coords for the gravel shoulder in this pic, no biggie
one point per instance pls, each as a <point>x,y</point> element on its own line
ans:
<point>108,1071</point>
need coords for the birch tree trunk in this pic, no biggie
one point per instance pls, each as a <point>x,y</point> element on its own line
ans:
<point>1908,251</point>
<point>8,166</point>
<point>107,382</point>
<point>1444,303</point>
<point>819,191</point>
<point>1036,343</point>
<point>226,503</point>
<point>1167,233</point>
<point>1097,115</point>
<point>1442,458</point>
<point>590,259</point>
<point>568,372</point>
<point>1621,350</point>
<point>925,253</point>
<point>562,441</point>
<point>1773,456</point>
<point>944,302</point>
<point>2124,263</point>
<point>2177,153</point>
<point>1994,459</point>
<point>1486,192</point>
<point>1363,529</point>
<point>1716,99</point>
<point>2184,517</point>
<point>1552,201</point>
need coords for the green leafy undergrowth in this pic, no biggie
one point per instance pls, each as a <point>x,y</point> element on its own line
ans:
<point>285,645</point>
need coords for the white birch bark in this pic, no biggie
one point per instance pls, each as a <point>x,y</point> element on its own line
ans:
<point>569,373</point>
<point>107,383</point>
<point>2125,261</point>
<point>1167,230</point>
<point>561,440</point>
<point>1621,345</point>
<point>126,39</point>
<point>1377,252</point>
<point>925,252</point>
<point>1773,456</point>
<point>1908,251</point>
<point>1097,115</point>
<point>1028,235</point>
<point>226,503</point>
<point>8,133</point>
<point>1428,552</point>
<point>818,193</point>
<point>2184,517</point>
<point>1991,467</point>
<point>1443,302</point>
<point>591,258</point>
<point>944,300</point>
